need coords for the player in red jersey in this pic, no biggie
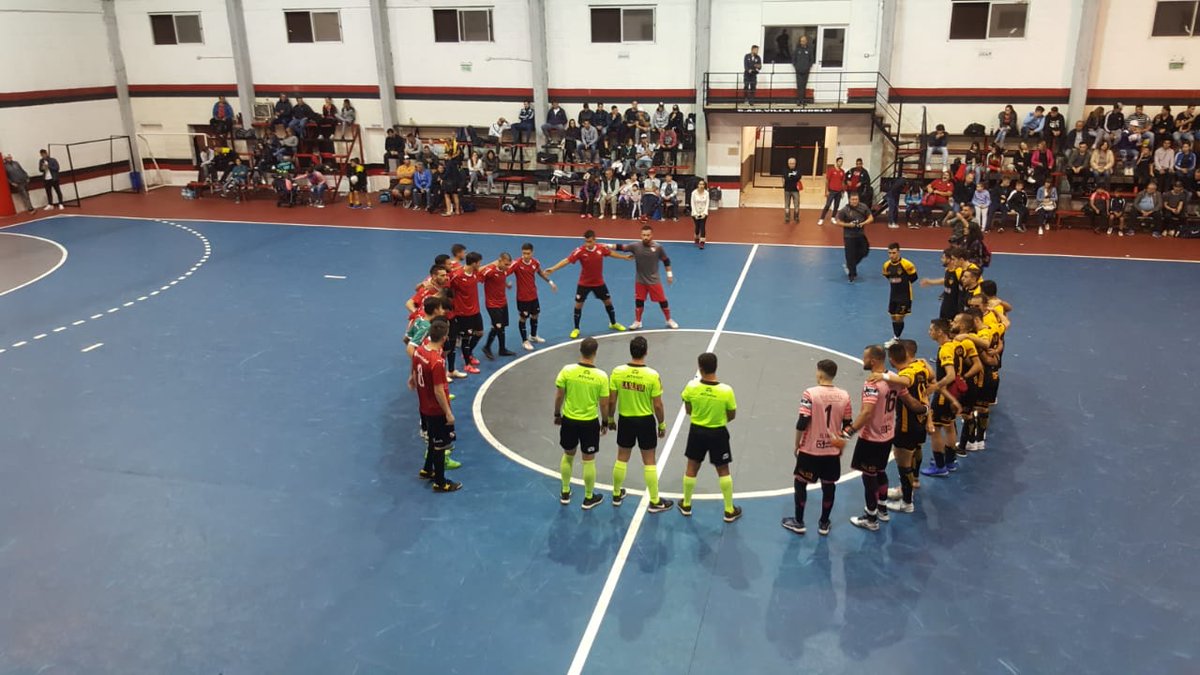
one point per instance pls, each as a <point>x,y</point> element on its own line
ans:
<point>824,412</point>
<point>434,284</point>
<point>428,378</point>
<point>527,270</point>
<point>466,328</point>
<point>591,257</point>
<point>495,298</point>
<point>458,254</point>
<point>877,423</point>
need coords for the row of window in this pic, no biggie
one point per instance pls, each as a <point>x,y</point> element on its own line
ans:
<point>969,20</point>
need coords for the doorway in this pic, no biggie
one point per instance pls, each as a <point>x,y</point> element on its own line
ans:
<point>764,155</point>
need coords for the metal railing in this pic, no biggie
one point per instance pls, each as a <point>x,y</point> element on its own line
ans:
<point>775,89</point>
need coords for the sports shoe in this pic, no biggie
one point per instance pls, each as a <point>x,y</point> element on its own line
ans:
<point>823,527</point>
<point>685,509</point>
<point>952,466</point>
<point>472,370</point>
<point>60,206</point>
<point>49,207</point>
<point>635,325</point>
<point>894,494</point>
<point>574,333</point>
<point>893,226</point>
<point>452,464</point>
<point>671,323</point>
<point>425,475</point>
<point>448,486</point>
<point>959,452</point>
<point>528,347</point>
<point>592,502</point>
<point>914,226</point>
<point>865,523</point>
<point>792,525</point>
<point>973,446</point>
<point>900,506</point>
<point>474,362</point>
<point>538,339</point>
<point>881,513</point>
<point>661,505</point>
<point>505,352</point>
<point>820,221</point>
<point>617,498</point>
<point>565,498</point>
<point>733,515</point>
<point>891,342</point>
<point>1109,232</point>
<point>487,353</point>
<point>981,445</point>
<point>457,374</point>
<point>934,470</point>
<point>1041,230</point>
<point>616,327</point>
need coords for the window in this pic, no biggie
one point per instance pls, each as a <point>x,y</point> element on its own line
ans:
<point>176,29</point>
<point>1175,19</point>
<point>622,24</point>
<point>983,20</point>
<point>319,26</point>
<point>462,25</point>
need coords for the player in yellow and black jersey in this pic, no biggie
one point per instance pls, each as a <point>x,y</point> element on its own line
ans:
<point>901,275</point>
<point>913,375</point>
<point>973,332</point>
<point>942,398</point>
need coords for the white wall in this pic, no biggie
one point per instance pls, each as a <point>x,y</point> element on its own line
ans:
<point>419,61</point>
<point>275,61</point>
<point>148,63</point>
<point>1126,56</point>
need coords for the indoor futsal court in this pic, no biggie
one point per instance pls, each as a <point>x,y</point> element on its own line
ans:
<point>234,443</point>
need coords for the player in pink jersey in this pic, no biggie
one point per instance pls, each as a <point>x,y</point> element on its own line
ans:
<point>876,426</point>
<point>824,412</point>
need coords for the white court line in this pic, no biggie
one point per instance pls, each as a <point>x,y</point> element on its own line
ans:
<point>79,322</point>
<point>614,574</point>
<point>39,336</point>
<point>97,316</point>
<point>128,304</point>
<point>48,272</point>
<point>88,349</point>
<point>59,329</point>
<point>22,343</point>
<point>334,276</point>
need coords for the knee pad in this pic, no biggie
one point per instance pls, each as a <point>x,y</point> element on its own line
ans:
<point>639,303</point>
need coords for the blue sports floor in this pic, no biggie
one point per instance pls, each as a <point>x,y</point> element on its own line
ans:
<point>227,484</point>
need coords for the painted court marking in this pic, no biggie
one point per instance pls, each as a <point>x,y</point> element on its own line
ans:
<point>334,276</point>
<point>62,260</point>
<point>88,349</point>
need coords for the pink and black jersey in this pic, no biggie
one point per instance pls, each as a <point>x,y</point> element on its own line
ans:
<point>881,427</point>
<point>828,411</point>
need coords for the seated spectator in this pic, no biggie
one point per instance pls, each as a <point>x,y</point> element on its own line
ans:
<point>1184,166</point>
<point>589,138</point>
<point>1041,163</point>
<point>937,196</point>
<point>316,187</point>
<point>650,204</point>
<point>675,120</point>
<point>1174,213</point>
<point>1137,127</point>
<point>610,189</point>
<point>1147,208</point>
<point>1006,124</point>
<point>995,163</point>
<point>283,111</point>
<point>1055,130</point>
<point>402,188</point>
<point>413,147</point>
<point>301,114</point>
<point>644,155</point>
<point>668,192</point>
<point>937,142</point>
<point>328,120</point>
<point>643,124</point>
<point>1076,136</point>
<point>393,150</point>
<point>347,117</point>
<point>974,157</point>
<point>616,125</point>
<point>1163,124</point>
<point>1114,125</point>
<point>1164,163</point>
<point>239,177</point>
<point>626,156</point>
<point>475,170</point>
<point>1034,123</point>
<point>1078,166</point>
<point>287,145</point>
<point>496,131</point>
<point>1185,125</point>
<point>206,173</point>
<point>571,138</point>
<point>422,187</point>
<point>491,167</point>
<point>605,150</point>
<point>1095,126</point>
<point>630,121</point>
<point>1021,159</point>
<point>912,205</point>
<point>668,150</point>
<point>1096,209</point>
<point>222,117</point>
<point>631,198</point>
<point>1144,170</point>
<point>556,121</point>
<point>524,123</point>
<point>286,190</point>
<point>1047,205</point>
<point>1016,202</point>
<point>1102,164</point>
<point>658,122</point>
<point>584,115</point>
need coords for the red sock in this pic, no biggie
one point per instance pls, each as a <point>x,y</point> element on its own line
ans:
<point>637,313</point>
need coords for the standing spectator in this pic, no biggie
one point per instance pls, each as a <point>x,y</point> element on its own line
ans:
<point>751,64</point>
<point>791,192</point>
<point>556,120</point>
<point>301,113</point>
<point>524,123</point>
<point>1185,166</point>
<point>669,192</point>
<point>1164,163</point>
<point>283,111</point>
<point>658,122</point>
<point>937,141</point>
<point>1102,164</point>
<point>1185,125</point>
<point>852,218</point>
<point>1175,204</point>
<point>1034,123</point>
<point>452,185</point>
<point>571,138</point>
<point>894,194</point>
<point>1006,123</point>
<point>18,181</point>
<point>476,170</point>
<point>316,187</point>
<point>610,189</point>
<point>699,203</point>
<point>982,202</point>
<point>588,140</point>
<point>1077,135</point>
<point>1147,208</point>
<point>858,181</point>
<point>1055,131</point>
<point>222,116</point>
<point>835,183</point>
<point>1047,205</point>
<point>1078,167</point>
<point>584,115</point>
<point>1138,127</point>
<point>347,117</point>
<point>675,120</point>
<point>1095,126</point>
<point>803,59</point>
<point>393,150</point>
<point>1163,124</point>
<point>48,168</point>
<point>1114,124</point>
<point>491,166</point>
<point>589,192</point>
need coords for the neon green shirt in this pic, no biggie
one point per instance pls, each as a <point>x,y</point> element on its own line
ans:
<point>711,403</point>
<point>584,386</point>
<point>636,387</point>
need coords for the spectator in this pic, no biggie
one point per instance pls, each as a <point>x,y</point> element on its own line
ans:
<point>475,170</point>
<point>1164,163</point>
<point>588,140</point>
<point>421,187</point>
<point>645,155</point>
<point>1144,170</point>
<point>610,188</point>
<point>1041,162</point>
<point>452,184</point>
<point>1015,202</point>
<point>658,122</point>
<point>1078,166</point>
<point>1138,127</point>
<point>650,199</point>
<point>995,163</point>
<point>858,180</point>
<point>1147,208</point>
<point>964,186</point>
<point>1114,124</point>
<point>835,184</point>
<point>393,150</point>
<point>1055,130</point>
<point>491,166</point>
<point>1163,124</point>
<point>982,203</point>
<point>627,155</point>
<point>301,113</point>
<point>496,131</point>
<point>571,138</point>
<point>1095,126</point>
<point>1006,124</point>
<point>402,190</point>
<point>1185,125</point>
<point>1078,135</point>
<point>239,176</point>
<point>605,152</point>
<point>1096,209</point>
<point>669,193</point>
<point>791,191</point>
<point>675,120</point>
<point>975,158</point>
<point>206,173</point>
<point>316,188</point>
<point>347,117</point>
<point>803,59</point>
<point>413,147</point>
<point>631,198</point>
<point>222,117</point>
<point>524,123</point>
<point>1185,166</point>
<point>283,111</point>
<point>937,141</point>
<point>699,202</point>
<point>556,120</point>
<point>1174,212</point>
<point>600,122</point>
<point>751,64</point>
<point>328,120</point>
<point>1021,158</point>
<point>435,195</point>
<point>1047,205</point>
<point>961,222</point>
<point>892,198</point>
<point>668,146</point>
<point>584,115</point>
<point>18,181</point>
<point>616,124</point>
<point>1102,164</point>
<point>937,196</point>
<point>287,145</point>
<point>48,168</point>
<point>1034,123</point>
<point>630,120</point>
<point>643,125</point>
<point>589,192</point>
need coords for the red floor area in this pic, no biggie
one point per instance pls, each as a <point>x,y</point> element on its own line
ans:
<point>752,225</point>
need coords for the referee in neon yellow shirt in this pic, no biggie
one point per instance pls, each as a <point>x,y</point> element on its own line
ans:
<point>582,389</point>
<point>712,406</point>
<point>636,394</point>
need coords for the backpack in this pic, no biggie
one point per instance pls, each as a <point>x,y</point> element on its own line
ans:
<point>524,204</point>
<point>974,129</point>
<point>547,157</point>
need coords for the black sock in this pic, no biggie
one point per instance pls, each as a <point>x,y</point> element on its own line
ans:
<point>451,355</point>
<point>881,490</point>
<point>471,344</point>
<point>521,328</point>
<point>612,313</point>
<point>939,459</point>
<point>500,339</point>
<point>897,328</point>
<point>428,459</point>
<point>533,325</point>
<point>828,490</point>
<point>918,457</point>
<point>438,458</point>
<point>981,425</point>
<point>491,336</point>
<point>870,492</point>
<point>800,498</point>
<point>578,315</point>
<point>906,486</point>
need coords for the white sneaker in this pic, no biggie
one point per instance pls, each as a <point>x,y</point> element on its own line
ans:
<point>635,325</point>
<point>1109,232</point>
<point>538,339</point>
<point>457,374</point>
<point>980,445</point>
<point>891,342</point>
<point>973,446</point>
<point>49,207</point>
<point>893,226</point>
<point>865,523</point>
<point>893,494</point>
<point>1041,230</point>
<point>528,347</point>
<point>1047,227</point>
<point>60,207</point>
<point>898,506</point>
<point>671,323</point>
<point>820,221</point>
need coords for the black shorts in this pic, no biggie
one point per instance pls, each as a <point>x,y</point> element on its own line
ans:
<point>582,434</point>
<point>709,442</point>
<point>870,455</point>
<point>601,292</point>
<point>902,306</point>
<point>643,430</point>
<point>943,412</point>
<point>991,386</point>
<point>529,307</point>
<point>813,468</point>
<point>441,435</point>
<point>466,324</point>
<point>498,316</point>
<point>910,440</point>
<point>971,398</point>
<point>360,186</point>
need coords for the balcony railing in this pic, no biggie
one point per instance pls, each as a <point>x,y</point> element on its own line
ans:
<point>776,90</point>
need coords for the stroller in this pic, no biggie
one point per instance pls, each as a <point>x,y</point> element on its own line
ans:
<point>286,190</point>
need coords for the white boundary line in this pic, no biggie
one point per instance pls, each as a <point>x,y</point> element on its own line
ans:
<point>61,261</point>
<point>614,574</point>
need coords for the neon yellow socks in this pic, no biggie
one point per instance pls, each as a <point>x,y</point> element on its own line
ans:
<point>619,476</point>
<point>650,473</point>
<point>726,491</point>
<point>689,486</point>
<point>589,478</point>
<point>568,463</point>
